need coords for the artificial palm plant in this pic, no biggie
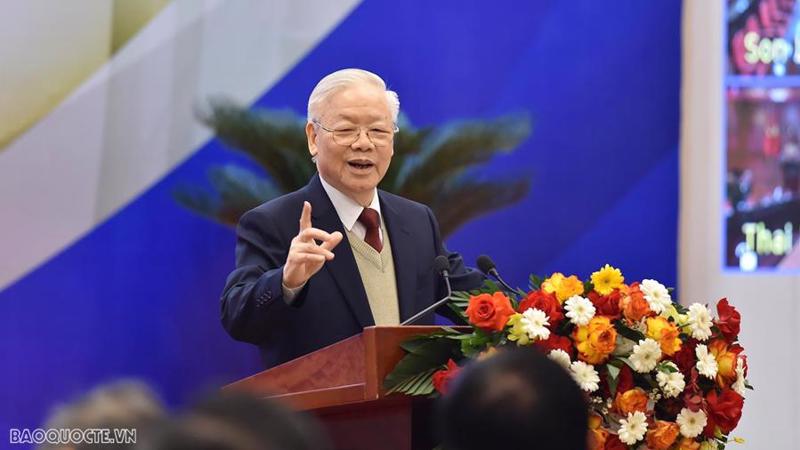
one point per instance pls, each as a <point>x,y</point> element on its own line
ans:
<point>439,166</point>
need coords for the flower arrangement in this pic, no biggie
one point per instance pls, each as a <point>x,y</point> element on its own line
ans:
<point>657,375</point>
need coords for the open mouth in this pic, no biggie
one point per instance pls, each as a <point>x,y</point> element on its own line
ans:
<point>360,164</point>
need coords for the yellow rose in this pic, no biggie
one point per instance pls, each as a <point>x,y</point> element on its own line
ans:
<point>726,357</point>
<point>665,333</point>
<point>595,340</point>
<point>563,287</point>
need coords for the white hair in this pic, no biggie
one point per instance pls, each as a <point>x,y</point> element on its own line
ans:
<point>340,79</point>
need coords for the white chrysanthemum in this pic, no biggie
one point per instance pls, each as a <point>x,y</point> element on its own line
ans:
<point>706,363</point>
<point>738,385</point>
<point>534,323</point>
<point>632,428</point>
<point>691,423</point>
<point>699,321</point>
<point>656,294</point>
<point>646,355</point>
<point>561,357</point>
<point>671,383</point>
<point>585,375</point>
<point>580,310</point>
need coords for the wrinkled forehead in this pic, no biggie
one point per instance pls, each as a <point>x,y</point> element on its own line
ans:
<point>357,103</point>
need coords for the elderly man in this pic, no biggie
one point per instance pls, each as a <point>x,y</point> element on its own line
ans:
<point>357,256</point>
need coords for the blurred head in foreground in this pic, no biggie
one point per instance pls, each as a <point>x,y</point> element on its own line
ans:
<point>238,422</point>
<point>516,399</point>
<point>125,404</point>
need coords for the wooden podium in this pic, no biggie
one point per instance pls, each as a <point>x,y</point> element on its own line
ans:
<point>342,385</point>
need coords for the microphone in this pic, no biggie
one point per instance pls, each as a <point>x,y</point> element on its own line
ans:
<point>442,266</point>
<point>486,265</point>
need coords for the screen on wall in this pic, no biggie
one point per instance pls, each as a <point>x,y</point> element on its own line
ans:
<point>761,207</point>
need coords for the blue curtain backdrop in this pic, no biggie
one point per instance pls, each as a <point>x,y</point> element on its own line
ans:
<point>138,296</point>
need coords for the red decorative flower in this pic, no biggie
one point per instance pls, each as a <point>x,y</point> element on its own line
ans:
<point>442,378</point>
<point>545,302</point>
<point>685,358</point>
<point>556,342</point>
<point>625,380</point>
<point>729,320</point>
<point>607,305</point>
<point>724,411</point>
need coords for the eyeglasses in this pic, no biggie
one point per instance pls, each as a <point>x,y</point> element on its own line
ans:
<point>349,135</point>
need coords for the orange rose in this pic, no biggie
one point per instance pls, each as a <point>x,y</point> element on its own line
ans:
<point>597,439</point>
<point>688,444</point>
<point>634,306</point>
<point>726,361</point>
<point>597,435</point>
<point>665,333</point>
<point>595,340</point>
<point>489,312</point>
<point>631,400</point>
<point>663,435</point>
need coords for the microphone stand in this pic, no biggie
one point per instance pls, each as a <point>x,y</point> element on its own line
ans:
<point>417,316</point>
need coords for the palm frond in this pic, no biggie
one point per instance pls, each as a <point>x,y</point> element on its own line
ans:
<point>466,199</point>
<point>457,146</point>
<point>276,139</point>
<point>237,190</point>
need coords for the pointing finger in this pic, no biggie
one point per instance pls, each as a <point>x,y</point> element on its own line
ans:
<point>305,216</point>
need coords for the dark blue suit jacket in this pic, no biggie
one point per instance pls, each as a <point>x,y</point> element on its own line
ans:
<point>333,304</point>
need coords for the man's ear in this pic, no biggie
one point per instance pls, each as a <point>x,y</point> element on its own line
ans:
<point>311,134</point>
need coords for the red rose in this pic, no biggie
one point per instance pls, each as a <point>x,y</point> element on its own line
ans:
<point>442,378</point>
<point>625,379</point>
<point>613,443</point>
<point>555,342</point>
<point>669,408</point>
<point>724,411</point>
<point>729,320</point>
<point>545,302</point>
<point>685,358</point>
<point>489,311</point>
<point>606,305</point>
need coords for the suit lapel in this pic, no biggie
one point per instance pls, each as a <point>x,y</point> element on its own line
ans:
<point>343,267</point>
<point>403,247</point>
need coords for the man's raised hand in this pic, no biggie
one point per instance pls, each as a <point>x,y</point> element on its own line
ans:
<point>306,257</point>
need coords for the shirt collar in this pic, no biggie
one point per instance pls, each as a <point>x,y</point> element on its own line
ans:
<point>347,208</point>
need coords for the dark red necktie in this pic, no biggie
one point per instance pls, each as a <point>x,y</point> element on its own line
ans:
<point>372,221</point>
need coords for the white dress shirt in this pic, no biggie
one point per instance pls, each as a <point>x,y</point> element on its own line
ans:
<point>349,210</point>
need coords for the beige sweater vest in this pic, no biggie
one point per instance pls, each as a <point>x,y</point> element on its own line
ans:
<point>377,274</point>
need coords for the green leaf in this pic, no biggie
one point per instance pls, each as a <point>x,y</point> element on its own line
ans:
<point>613,378</point>
<point>426,354</point>
<point>628,332</point>
<point>419,384</point>
<point>535,282</point>
<point>666,367</point>
<point>613,371</point>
